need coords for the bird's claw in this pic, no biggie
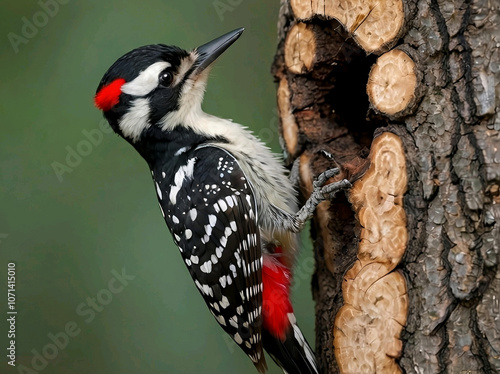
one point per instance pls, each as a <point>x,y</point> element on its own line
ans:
<point>319,194</point>
<point>323,177</point>
<point>329,191</point>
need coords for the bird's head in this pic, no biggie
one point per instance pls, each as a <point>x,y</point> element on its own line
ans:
<point>157,86</point>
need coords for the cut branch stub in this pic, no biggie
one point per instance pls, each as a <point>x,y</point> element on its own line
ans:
<point>289,126</point>
<point>300,49</point>
<point>375,24</point>
<point>378,201</point>
<point>392,84</point>
<point>368,326</point>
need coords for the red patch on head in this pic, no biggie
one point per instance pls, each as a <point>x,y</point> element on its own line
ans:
<point>109,95</point>
<point>276,303</point>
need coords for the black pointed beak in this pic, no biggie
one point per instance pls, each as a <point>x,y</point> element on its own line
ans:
<point>208,53</point>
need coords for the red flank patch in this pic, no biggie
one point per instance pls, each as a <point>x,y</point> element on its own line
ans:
<point>276,303</point>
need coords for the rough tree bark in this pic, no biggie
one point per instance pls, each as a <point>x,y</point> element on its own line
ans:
<point>403,96</point>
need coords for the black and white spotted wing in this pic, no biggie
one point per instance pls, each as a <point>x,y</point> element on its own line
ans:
<point>210,210</point>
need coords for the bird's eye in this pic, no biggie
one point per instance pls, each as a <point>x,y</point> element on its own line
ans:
<point>166,77</point>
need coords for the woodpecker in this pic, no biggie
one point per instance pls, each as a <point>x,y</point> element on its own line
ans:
<point>225,197</point>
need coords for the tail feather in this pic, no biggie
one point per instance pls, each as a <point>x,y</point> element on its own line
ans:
<point>293,354</point>
<point>261,365</point>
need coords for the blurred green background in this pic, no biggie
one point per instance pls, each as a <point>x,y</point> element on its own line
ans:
<point>67,233</point>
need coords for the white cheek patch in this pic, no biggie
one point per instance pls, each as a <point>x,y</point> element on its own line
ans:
<point>147,80</point>
<point>136,120</point>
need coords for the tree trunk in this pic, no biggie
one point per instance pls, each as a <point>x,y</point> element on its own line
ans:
<point>403,96</point>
